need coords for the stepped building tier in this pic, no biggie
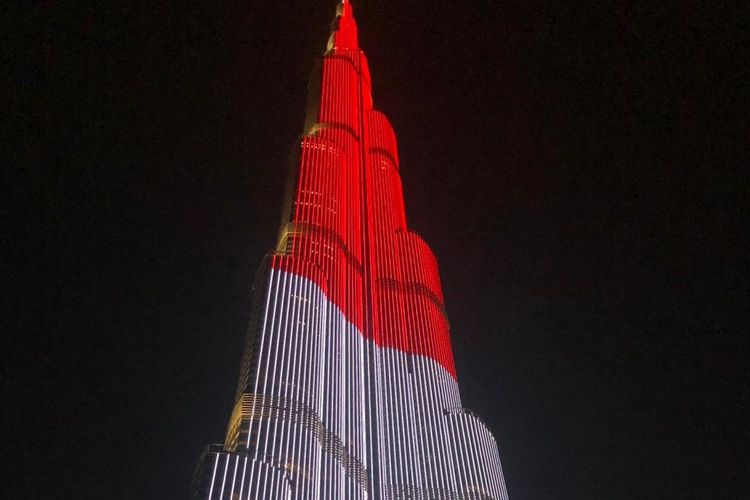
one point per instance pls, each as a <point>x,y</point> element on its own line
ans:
<point>347,388</point>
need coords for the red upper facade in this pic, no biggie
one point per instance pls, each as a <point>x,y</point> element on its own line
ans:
<point>346,227</point>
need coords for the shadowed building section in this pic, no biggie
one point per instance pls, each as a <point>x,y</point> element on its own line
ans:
<point>347,388</point>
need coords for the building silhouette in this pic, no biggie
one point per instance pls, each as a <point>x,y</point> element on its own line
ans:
<point>347,388</point>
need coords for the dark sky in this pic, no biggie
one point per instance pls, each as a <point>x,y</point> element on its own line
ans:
<point>577,169</point>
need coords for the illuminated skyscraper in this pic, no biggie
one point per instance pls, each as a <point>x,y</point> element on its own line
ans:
<point>348,388</point>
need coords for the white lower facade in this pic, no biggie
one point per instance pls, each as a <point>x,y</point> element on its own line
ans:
<point>328,414</point>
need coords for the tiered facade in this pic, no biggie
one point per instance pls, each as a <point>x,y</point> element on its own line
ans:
<point>348,388</point>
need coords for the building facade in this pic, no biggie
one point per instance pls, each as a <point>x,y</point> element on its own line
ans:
<point>347,388</point>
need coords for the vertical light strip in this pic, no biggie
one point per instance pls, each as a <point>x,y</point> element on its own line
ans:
<point>224,478</point>
<point>242,481</point>
<point>213,477</point>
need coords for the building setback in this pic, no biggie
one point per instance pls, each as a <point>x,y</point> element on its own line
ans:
<point>347,388</point>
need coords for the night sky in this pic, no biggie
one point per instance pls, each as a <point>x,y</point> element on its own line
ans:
<point>577,169</point>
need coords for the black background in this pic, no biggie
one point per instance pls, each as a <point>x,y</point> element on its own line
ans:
<point>577,169</point>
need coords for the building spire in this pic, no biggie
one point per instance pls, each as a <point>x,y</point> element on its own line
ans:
<point>344,28</point>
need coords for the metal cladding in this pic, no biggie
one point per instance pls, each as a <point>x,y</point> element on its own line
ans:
<point>347,388</point>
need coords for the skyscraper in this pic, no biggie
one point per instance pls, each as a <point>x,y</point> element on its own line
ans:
<point>347,388</point>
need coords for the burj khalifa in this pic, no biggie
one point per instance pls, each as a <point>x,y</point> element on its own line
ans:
<point>348,388</point>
